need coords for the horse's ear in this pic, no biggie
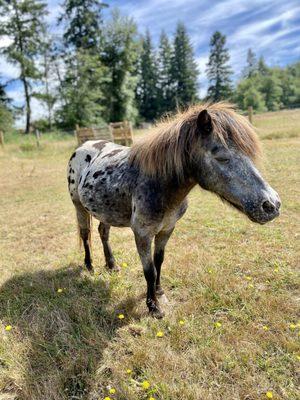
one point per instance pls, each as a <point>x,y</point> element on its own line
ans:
<point>204,123</point>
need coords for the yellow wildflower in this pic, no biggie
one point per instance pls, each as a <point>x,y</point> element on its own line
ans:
<point>121,316</point>
<point>151,398</point>
<point>8,328</point>
<point>298,358</point>
<point>59,290</point>
<point>112,391</point>
<point>160,334</point>
<point>128,371</point>
<point>251,285</point>
<point>293,327</point>
<point>276,269</point>
<point>249,278</point>
<point>145,385</point>
<point>107,398</point>
<point>124,264</point>
<point>181,322</point>
<point>269,395</point>
<point>265,328</point>
<point>218,325</point>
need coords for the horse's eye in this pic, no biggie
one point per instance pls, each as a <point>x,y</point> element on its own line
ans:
<point>223,160</point>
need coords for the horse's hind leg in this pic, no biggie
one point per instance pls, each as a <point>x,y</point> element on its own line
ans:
<point>84,224</point>
<point>161,240</point>
<point>109,258</point>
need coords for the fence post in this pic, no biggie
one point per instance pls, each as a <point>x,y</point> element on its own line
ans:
<point>250,114</point>
<point>37,134</point>
<point>1,138</point>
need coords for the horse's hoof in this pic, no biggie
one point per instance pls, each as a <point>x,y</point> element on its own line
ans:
<point>114,268</point>
<point>157,313</point>
<point>159,291</point>
<point>90,268</point>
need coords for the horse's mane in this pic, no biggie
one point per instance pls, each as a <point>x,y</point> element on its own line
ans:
<point>163,152</point>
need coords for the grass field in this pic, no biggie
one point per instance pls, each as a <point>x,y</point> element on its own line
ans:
<point>231,329</point>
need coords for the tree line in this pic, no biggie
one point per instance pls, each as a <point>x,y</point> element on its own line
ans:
<point>99,71</point>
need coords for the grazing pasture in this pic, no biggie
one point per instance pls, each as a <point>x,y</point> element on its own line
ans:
<point>231,329</point>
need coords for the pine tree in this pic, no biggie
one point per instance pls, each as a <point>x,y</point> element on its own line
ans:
<point>83,23</point>
<point>252,66</point>
<point>218,70</point>
<point>164,78</point>
<point>262,67</point>
<point>6,119</point>
<point>147,88</point>
<point>23,23</point>
<point>184,72</point>
<point>120,45</point>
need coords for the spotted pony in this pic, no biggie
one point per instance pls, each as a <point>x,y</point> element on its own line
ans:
<point>145,187</point>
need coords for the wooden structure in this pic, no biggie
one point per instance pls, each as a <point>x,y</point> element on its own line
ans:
<point>122,132</point>
<point>84,134</point>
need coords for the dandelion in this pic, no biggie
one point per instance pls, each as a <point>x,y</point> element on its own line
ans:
<point>265,328</point>
<point>124,265</point>
<point>121,316</point>
<point>276,269</point>
<point>269,395</point>
<point>128,371</point>
<point>248,278</point>
<point>160,334</point>
<point>145,385</point>
<point>210,271</point>
<point>112,391</point>
<point>293,327</point>
<point>8,328</point>
<point>107,398</point>
<point>151,398</point>
<point>181,322</point>
<point>59,290</point>
<point>218,325</point>
<point>298,358</point>
<point>251,286</point>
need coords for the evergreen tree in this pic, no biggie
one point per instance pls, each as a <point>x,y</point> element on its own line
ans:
<point>6,119</point>
<point>83,23</point>
<point>23,23</point>
<point>218,70</point>
<point>120,56</point>
<point>262,67</point>
<point>164,78</point>
<point>147,88</point>
<point>272,92</point>
<point>184,71</point>
<point>251,67</point>
<point>82,91</point>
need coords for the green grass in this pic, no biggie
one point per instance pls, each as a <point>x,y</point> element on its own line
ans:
<point>219,267</point>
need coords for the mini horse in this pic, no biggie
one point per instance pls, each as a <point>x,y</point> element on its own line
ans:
<point>145,187</point>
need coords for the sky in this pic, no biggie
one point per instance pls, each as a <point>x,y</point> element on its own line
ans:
<point>270,27</point>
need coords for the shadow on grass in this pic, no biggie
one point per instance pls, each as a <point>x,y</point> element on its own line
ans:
<point>62,333</point>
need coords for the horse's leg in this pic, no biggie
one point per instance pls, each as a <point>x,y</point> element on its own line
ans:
<point>143,244</point>
<point>84,223</point>
<point>161,240</point>
<point>104,235</point>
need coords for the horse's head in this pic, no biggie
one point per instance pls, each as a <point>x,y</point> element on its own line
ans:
<point>225,167</point>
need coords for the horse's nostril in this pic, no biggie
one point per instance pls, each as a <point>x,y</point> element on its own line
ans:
<point>268,207</point>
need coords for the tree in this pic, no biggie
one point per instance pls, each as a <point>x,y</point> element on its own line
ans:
<point>218,70</point>
<point>251,67</point>
<point>84,20</point>
<point>247,94</point>
<point>272,92</point>
<point>119,55</point>
<point>147,88</point>
<point>48,95</point>
<point>82,91</point>
<point>6,119</point>
<point>262,67</point>
<point>164,74</point>
<point>23,23</point>
<point>184,72</point>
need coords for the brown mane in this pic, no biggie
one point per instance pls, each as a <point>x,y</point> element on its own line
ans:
<point>163,152</point>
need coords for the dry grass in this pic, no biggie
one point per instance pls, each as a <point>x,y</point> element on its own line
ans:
<point>219,268</point>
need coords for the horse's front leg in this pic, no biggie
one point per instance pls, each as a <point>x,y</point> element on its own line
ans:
<point>161,240</point>
<point>143,244</point>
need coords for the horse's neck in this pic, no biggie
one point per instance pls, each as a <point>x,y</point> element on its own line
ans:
<point>177,192</point>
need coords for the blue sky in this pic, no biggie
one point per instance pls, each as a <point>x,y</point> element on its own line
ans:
<point>270,28</point>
